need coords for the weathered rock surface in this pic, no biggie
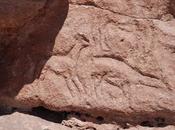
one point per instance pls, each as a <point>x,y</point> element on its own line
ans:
<point>91,126</point>
<point>113,60</point>
<point>109,64</point>
<point>20,121</point>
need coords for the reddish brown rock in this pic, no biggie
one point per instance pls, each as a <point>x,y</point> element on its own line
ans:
<point>27,33</point>
<point>133,8</point>
<point>113,61</point>
<point>109,64</point>
<point>20,121</point>
<point>14,14</point>
<point>77,124</point>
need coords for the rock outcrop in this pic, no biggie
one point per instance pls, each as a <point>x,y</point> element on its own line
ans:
<point>113,61</point>
<point>20,121</point>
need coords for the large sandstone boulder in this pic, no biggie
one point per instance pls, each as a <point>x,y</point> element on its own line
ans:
<point>106,63</point>
<point>112,61</point>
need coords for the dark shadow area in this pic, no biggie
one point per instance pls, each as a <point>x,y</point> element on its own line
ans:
<point>4,110</point>
<point>146,124</point>
<point>25,50</point>
<point>172,7</point>
<point>52,116</point>
<point>156,122</point>
<point>56,117</point>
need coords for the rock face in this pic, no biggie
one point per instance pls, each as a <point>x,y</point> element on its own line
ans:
<point>20,121</point>
<point>112,61</point>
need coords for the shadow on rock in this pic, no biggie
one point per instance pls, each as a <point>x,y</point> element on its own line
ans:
<point>172,7</point>
<point>24,50</point>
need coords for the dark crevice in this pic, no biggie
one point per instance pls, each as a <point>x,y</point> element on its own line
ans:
<point>156,122</point>
<point>58,117</point>
<point>4,110</point>
<point>87,3</point>
<point>100,119</point>
<point>46,114</point>
<point>146,124</point>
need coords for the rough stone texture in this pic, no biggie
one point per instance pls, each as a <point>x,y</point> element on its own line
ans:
<point>107,63</point>
<point>77,124</point>
<point>20,121</point>
<point>132,8</point>
<point>113,59</point>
